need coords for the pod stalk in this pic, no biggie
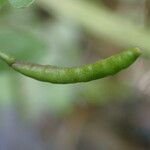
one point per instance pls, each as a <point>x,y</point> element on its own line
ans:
<point>8,59</point>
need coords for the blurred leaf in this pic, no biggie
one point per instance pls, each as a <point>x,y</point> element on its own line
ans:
<point>2,2</point>
<point>101,22</point>
<point>63,39</point>
<point>5,92</point>
<point>47,97</point>
<point>21,3</point>
<point>102,91</point>
<point>21,44</point>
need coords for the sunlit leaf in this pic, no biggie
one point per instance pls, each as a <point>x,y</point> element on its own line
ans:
<point>21,3</point>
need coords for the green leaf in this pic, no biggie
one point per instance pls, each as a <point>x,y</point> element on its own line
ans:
<point>21,3</point>
<point>20,43</point>
<point>2,2</point>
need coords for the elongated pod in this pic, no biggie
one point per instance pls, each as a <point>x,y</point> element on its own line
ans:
<point>84,73</point>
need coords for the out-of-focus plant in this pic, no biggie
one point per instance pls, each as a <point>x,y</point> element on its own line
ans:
<point>2,2</point>
<point>21,43</point>
<point>101,22</point>
<point>18,3</point>
<point>54,74</point>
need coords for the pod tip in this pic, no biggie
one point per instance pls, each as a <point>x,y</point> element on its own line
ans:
<point>138,51</point>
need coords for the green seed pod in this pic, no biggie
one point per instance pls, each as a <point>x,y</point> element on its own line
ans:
<point>84,73</point>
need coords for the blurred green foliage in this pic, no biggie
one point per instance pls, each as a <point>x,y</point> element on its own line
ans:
<point>102,22</point>
<point>111,113</point>
<point>20,43</point>
<point>18,3</point>
<point>64,34</point>
<point>2,2</point>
